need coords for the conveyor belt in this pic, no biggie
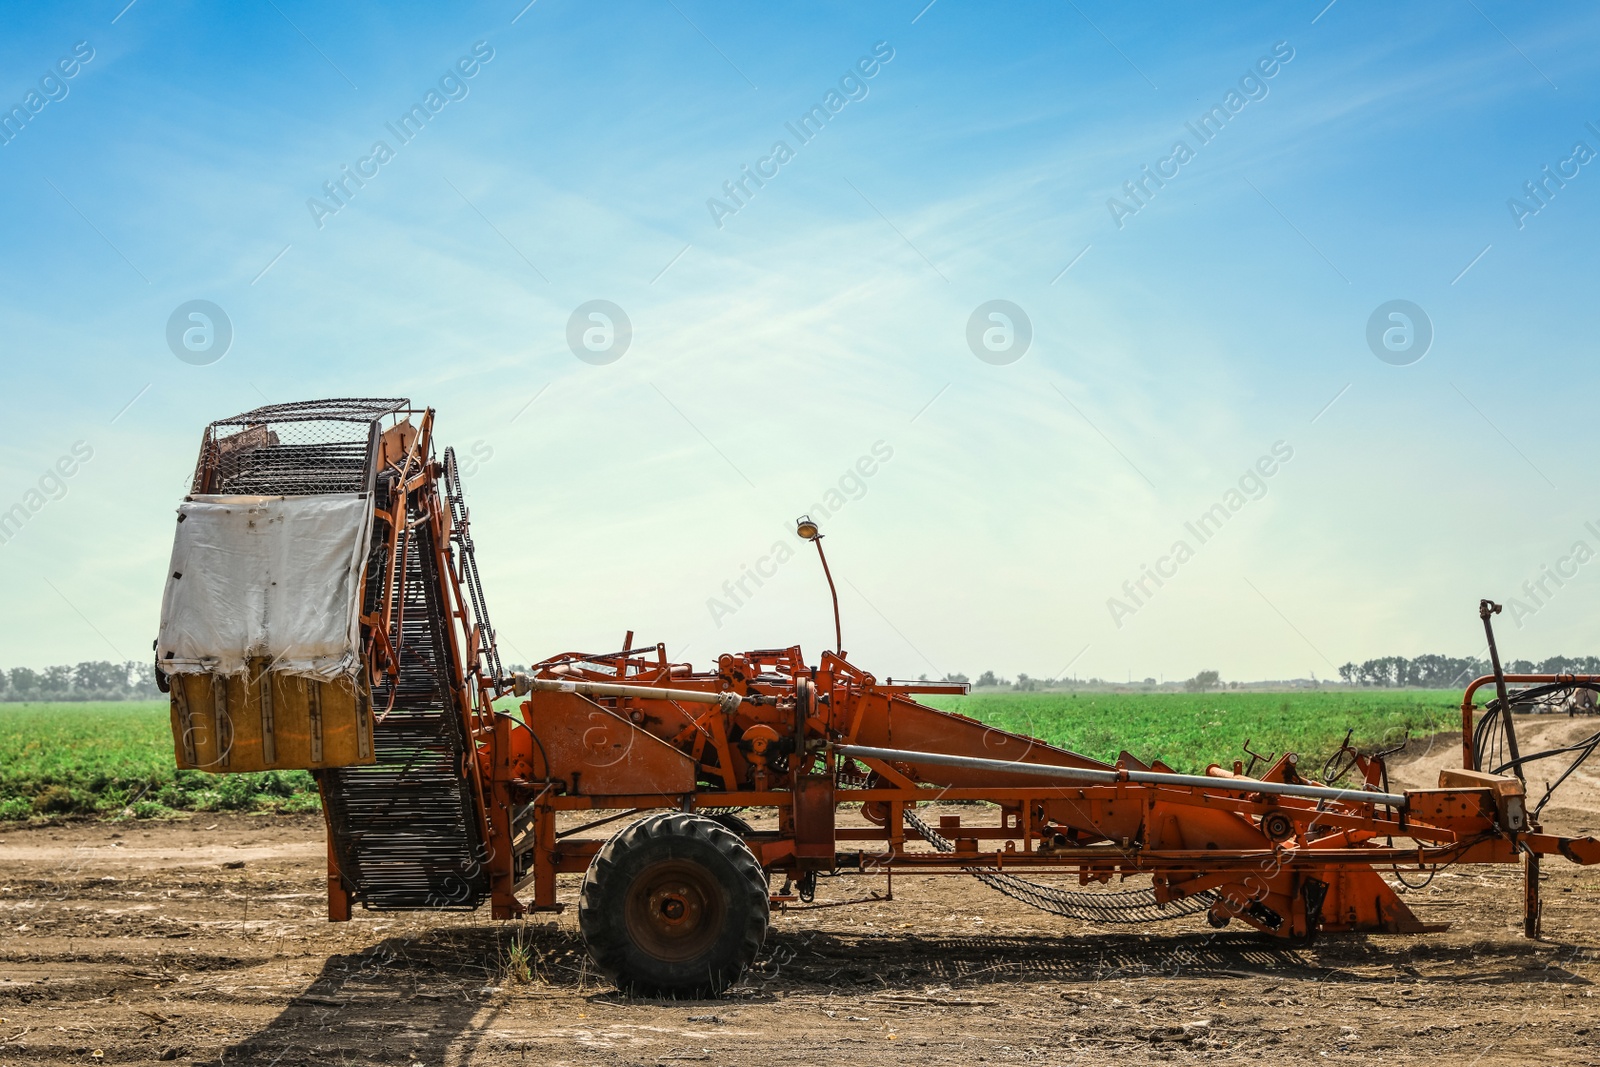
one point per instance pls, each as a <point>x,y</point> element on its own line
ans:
<point>405,830</point>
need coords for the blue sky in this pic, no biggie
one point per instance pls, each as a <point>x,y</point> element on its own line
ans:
<point>829,315</point>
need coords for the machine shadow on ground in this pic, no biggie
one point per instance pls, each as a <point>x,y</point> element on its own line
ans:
<point>415,996</point>
<point>826,961</point>
<point>425,995</point>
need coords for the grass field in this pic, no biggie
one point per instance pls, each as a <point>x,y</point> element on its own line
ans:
<point>116,758</point>
<point>1188,731</point>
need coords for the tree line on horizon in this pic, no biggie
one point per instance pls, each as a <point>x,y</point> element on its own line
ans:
<point>1451,672</point>
<point>89,680</point>
<point>1386,672</point>
<point>104,680</point>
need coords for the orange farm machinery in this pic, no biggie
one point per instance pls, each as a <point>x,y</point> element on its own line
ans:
<point>324,611</point>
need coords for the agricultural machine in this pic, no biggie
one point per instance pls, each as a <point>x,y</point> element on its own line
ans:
<point>324,611</point>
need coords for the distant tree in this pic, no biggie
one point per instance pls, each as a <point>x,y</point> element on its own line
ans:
<point>1569,665</point>
<point>1425,669</point>
<point>100,678</point>
<point>1025,684</point>
<point>1429,671</point>
<point>955,678</point>
<point>1384,672</point>
<point>142,681</point>
<point>57,682</point>
<point>24,683</point>
<point>987,678</point>
<point>1203,681</point>
<point>1149,681</point>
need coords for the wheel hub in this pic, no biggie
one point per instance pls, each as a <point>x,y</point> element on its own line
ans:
<point>675,905</point>
<point>674,910</point>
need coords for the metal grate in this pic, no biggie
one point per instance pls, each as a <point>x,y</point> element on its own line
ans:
<point>405,830</point>
<point>318,446</point>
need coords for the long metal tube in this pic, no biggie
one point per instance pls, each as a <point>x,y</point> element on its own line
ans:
<point>523,684</point>
<point>1487,609</point>
<point>1095,774</point>
<point>838,634</point>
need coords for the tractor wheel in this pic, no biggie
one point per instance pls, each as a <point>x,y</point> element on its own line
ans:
<point>729,820</point>
<point>675,905</point>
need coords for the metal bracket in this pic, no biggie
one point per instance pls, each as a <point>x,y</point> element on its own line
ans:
<point>269,737</point>
<point>221,723</point>
<point>180,700</point>
<point>314,713</point>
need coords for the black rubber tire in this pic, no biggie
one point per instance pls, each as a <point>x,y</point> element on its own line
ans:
<point>674,906</point>
<point>729,820</point>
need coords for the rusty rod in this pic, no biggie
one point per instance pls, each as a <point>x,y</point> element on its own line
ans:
<point>1107,775</point>
<point>523,684</point>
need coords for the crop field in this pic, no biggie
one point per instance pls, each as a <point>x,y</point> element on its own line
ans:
<point>116,758</point>
<point>1187,731</point>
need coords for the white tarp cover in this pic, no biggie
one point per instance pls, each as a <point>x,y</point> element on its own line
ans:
<point>269,576</point>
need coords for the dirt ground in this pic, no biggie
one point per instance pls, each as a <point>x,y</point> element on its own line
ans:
<point>203,941</point>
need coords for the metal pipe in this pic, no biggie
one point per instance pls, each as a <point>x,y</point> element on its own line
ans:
<point>1531,908</point>
<point>838,634</point>
<point>1109,776</point>
<point>1486,609</point>
<point>522,684</point>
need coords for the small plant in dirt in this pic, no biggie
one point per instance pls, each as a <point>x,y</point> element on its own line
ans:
<point>14,808</point>
<point>519,958</point>
<point>148,809</point>
<point>55,800</point>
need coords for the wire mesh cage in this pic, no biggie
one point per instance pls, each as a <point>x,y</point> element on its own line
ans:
<point>318,446</point>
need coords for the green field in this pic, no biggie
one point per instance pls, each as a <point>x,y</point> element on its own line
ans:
<point>116,758</point>
<point>1187,731</point>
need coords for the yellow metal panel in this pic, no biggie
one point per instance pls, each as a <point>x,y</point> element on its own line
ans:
<point>266,721</point>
